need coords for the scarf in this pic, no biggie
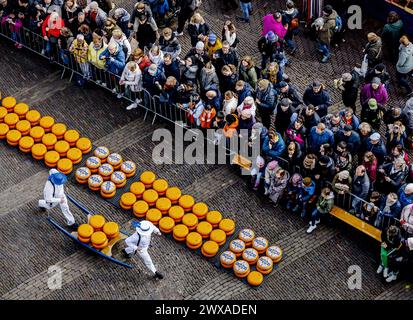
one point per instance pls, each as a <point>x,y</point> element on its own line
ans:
<point>389,203</point>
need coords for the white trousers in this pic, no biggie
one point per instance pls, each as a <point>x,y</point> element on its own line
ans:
<point>143,253</point>
<point>63,206</point>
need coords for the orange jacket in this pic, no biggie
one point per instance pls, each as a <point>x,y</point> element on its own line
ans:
<point>231,130</point>
<point>206,118</point>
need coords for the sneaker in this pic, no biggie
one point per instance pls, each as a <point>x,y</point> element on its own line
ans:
<point>311,228</point>
<point>392,277</point>
<point>132,106</point>
<point>138,100</point>
<point>98,82</point>
<point>317,221</point>
<point>119,96</point>
<point>325,59</point>
<point>380,269</point>
<point>104,84</point>
<point>158,275</point>
<point>114,91</point>
<point>386,272</point>
<point>126,255</point>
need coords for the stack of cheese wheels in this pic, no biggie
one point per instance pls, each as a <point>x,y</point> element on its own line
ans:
<point>204,229</point>
<point>102,153</point>
<point>247,235</point>
<point>173,194</point>
<point>24,127</point>
<point>241,268</point>
<point>118,178</point>
<point>82,175</point>
<point>108,189</point>
<point>94,182</point>
<point>39,150</point>
<point>65,166</point>
<point>111,229</point>
<point>255,278</point>
<point>200,209</point>
<point>26,144</point>
<point>84,145</point>
<point>106,170</point>
<point>214,218</point>
<point>237,246</point>
<point>148,178</point>
<point>128,168</point>
<point>97,221</point>
<point>190,220</point>
<point>9,103</point>
<point>218,236</point>
<point>51,158</point>
<point>140,208</point>
<point>187,202</point>
<point>71,136</point>
<point>180,232</point>
<point>153,215</point>
<point>4,128</point>
<point>115,159</point>
<point>47,123</point>
<point>34,117</point>
<point>227,259</point>
<point>37,133</point>
<point>150,196</point>
<point>127,200</point>
<point>163,205</point>
<point>194,240</point>
<point>3,112</point>
<point>49,140</point>
<point>84,232</point>
<point>138,188</point>
<point>228,226</point>
<point>260,244</point>
<point>160,186</point>
<point>99,240</point>
<point>166,224</point>
<point>75,155</point>
<point>59,130</point>
<point>21,110</point>
<point>265,265</point>
<point>209,249</point>
<point>176,213</point>
<point>11,120</point>
<point>93,163</point>
<point>275,253</point>
<point>250,255</point>
<point>13,137</point>
<point>62,147</point>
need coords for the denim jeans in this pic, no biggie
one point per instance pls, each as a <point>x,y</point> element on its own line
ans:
<point>315,215</point>
<point>291,43</point>
<point>324,48</point>
<point>246,8</point>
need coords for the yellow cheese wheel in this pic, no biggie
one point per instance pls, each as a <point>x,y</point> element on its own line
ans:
<point>26,144</point>
<point>140,208</point>
<point>106,170</point>
<point>108,187</point>
<point>200,209</point>
<point>47,123</point>
<point>246,235</point>
<point>49,140</point>
<point>218,236</point>
<point>102,153</point>
<point>250,255</point>
<point>59,129</point>
<point>38,151</point>
<point>62,147</point>
<point>65,166</point>
<point>214,218</point>
<point>275,253</point>
<point>128,168</point>
<point>4,128</point>
<point>33,116</point>
<point>227,259</point>
<point>241,268</point>
<point>176,213</point>
<point>82,174</point>
<point>153,215</point>
<point>204,229</point>
<point>260,244</point>
<point>85,230</point>
<point>51,157</point>
<point>111,229</point>
<point>84,240</point>
<point>95,181</point>
<point>160,186</point>
<point>237,246</point>
<point>209,248</point>
<point>3,112</point>
<point>166,224</point>
<point>93,163</point>
<point>13,137</point>
<point>128,199</point>
<point>71,136</point>
<point>255,278</point>
<point>115,160</point>
<point>102,246</point>
<point>150,196</point>
<point>37,133</point>
<point>75,155</point>
<point>173,194</point>
<point>97,221</point>
<point>9,103</point>
<point>187,202</point>
<point>194,240</point>
<point>180,232</point>
<point>190,220</point>
<point>11,119</point>
<point>84,145</point>
<point>147,178</point>
<point>24,127</point>
<point>138,188</point>
<point>119,179</point>
<point>265,265</point>
<point>98,238</point>
<point>21,109</point>
<point>228,226</point>
<point>163,204</point>
<point>108,195</point>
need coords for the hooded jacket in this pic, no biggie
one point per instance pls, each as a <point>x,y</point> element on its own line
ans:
<point>277,148</point>
<point>324,205</point>
<point>326,32</point>
<point>374,52</point>
<point>209,79</point>
<point>405,63</point>
<point>53,193</point>
<point>380,94</point>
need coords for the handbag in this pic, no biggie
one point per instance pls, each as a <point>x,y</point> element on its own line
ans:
<point>364,66</point>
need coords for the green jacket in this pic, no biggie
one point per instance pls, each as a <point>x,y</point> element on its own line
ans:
<point>324,205</point>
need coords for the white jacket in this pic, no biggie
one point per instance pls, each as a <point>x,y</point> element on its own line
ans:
<point>141,241</point>
<point>53,193</point>
<point>132,79</point>
<point>407,217</point>
<point>124,44</point>
<point>230,106</point>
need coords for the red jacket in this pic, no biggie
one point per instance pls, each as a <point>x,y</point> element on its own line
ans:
<point>54,32</point>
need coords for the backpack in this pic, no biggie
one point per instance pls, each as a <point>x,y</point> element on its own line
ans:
<point>339,25</point>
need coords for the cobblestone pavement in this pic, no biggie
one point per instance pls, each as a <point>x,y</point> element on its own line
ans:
<point>315,267</point>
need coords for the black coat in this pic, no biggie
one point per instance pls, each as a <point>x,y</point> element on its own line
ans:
<point>321,100</point>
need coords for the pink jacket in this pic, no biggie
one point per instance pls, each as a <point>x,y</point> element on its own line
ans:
<point>13,27</point>
<point>270,24</point>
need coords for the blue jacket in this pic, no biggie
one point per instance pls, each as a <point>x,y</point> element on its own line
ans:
<point>118,64</point>
<point>321,100</point>
<point>267,99</point>
<point>277,149</point>
<point>248,91</point>
<point>353,142</point>
<point>316,140</point>
<point>309,191</point>
<point>404,199</point>
<point>379,150</point>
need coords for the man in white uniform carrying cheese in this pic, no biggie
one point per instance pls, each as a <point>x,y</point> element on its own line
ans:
<point>54,194</point>
<point>139,243</point>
